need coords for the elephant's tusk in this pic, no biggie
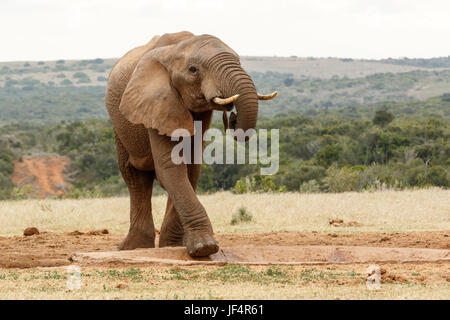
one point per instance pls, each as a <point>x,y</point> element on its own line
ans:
<point>268,96</point>
<point>222,101</point>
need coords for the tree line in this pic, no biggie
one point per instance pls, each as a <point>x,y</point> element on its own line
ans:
<point>327,152</point>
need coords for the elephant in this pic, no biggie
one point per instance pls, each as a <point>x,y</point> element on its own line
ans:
<point>154,89</point>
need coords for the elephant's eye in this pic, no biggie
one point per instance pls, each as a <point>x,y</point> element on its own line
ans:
<point>193,69</point>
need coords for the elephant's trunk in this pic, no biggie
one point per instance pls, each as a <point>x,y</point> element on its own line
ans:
<point>232,80</point>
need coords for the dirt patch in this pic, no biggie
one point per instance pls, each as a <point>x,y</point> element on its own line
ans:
<point>427,239</point>
<point>267,255</point>
<point>55,249</point>
<point>44,174</point>
<point>90,233</point>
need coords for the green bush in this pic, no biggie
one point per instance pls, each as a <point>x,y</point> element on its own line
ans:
<point>242,215</point>
<point>6,186</point>
<point>80,75</point>
<point>82,193</point>
<point>342,179</point>
<point>438,176</point>
<point>311,186</point>
<point>24,192</point>
<point>239,187</point>
<point>66,82</point>
<point>84,80</point>
<point>257,183</point>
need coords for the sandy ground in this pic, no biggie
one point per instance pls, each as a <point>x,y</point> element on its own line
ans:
<point>53,249</point>
<point>35,267</point>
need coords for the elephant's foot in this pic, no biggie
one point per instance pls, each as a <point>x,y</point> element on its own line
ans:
<point>137,240</point>
<point>200,244</point>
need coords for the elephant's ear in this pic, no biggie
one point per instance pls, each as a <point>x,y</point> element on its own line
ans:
<point>150,99</point>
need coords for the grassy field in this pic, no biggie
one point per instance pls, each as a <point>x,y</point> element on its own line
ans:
<point>383,212</point>
<point>228,282</point>
<point>386,211</point>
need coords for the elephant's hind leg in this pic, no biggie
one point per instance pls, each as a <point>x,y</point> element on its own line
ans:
<point>140,184</point>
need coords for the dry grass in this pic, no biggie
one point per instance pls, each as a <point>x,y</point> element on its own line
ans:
<point>385,211</point>
<point>229,282</point>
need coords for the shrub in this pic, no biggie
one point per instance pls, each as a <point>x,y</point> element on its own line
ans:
<point>311,186</point>
<point>84,80</point>
<point>295,175</point>
<point>239,187</point>
<point>6,186</point>
<point>342,180</point>
<point>22,193</point>
<point>437,176</point>
<point>66,82</point>
<point>382,118</point>
<point>82,193</point>
<point>257,183</point>
<point>242,215</point>
<point>80,75</point>
<point>415,173</point>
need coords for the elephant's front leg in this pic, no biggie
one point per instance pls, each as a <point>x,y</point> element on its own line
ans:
<point>172,231</point>
<point>198,233</point>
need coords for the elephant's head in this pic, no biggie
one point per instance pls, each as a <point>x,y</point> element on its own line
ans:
<point>184,73</point>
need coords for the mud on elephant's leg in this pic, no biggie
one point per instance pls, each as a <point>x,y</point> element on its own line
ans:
<point>198,233</point>
<point>140,184</point>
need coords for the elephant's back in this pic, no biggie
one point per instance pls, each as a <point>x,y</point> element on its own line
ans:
<point>133,137</point>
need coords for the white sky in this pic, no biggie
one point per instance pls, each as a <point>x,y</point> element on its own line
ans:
<point>81,29</point>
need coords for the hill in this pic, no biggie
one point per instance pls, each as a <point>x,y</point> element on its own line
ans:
<point>95,72</point>
<point>327,68</point>
<point>51,91</point>
<point>386,128</point>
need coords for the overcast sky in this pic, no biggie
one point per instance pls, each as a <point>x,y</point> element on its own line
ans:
<point>81,29</point>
